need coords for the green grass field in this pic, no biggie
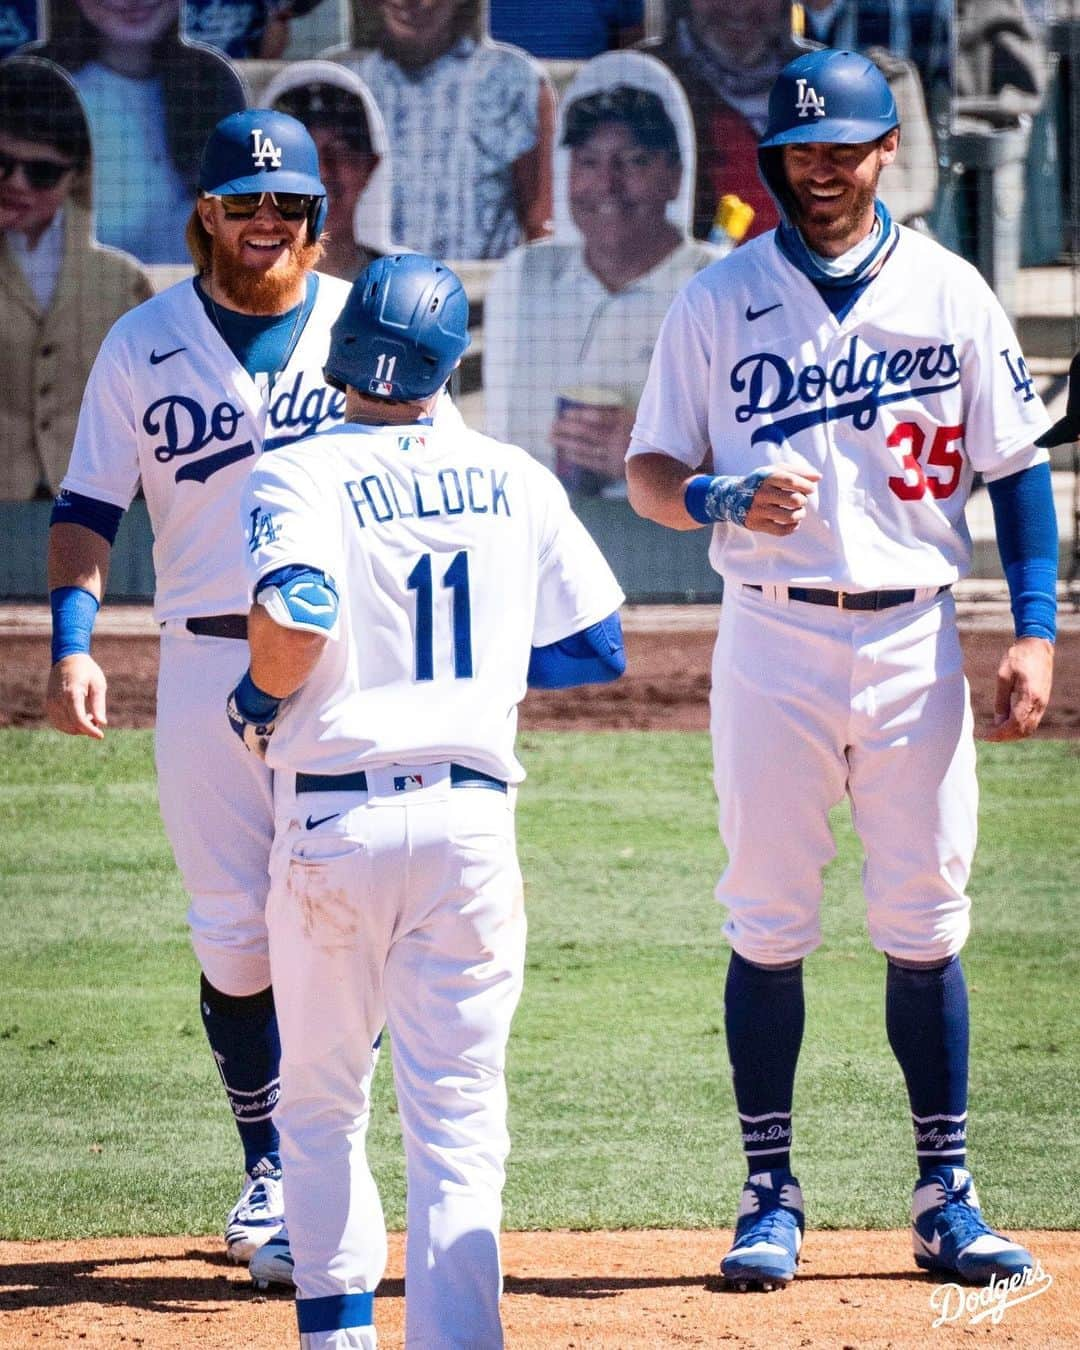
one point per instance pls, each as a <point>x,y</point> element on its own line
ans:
<point>114,1122</point>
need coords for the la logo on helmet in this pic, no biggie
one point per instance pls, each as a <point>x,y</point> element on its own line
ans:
<point>264,154</point>
<point>808,100</point>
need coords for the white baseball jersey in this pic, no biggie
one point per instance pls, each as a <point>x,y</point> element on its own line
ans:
<point>896,405</point>
<point>167,404</point>
<point>453,554</point>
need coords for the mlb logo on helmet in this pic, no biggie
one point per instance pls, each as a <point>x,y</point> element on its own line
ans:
<point>380,388</point>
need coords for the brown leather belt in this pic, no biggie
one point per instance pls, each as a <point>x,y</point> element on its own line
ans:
<point>219,625</point>
<point>848,599</point>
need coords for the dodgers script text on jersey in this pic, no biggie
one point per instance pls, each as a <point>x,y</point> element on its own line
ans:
<point>895,405</point>
<point>192,450</point>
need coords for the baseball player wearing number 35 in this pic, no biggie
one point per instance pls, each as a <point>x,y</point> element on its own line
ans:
<point>409,581</point>
<point>843,379</point>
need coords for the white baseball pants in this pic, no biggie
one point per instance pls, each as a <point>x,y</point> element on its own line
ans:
<point>216,802</point>
<point>810,703</point>
<point>401,906</point>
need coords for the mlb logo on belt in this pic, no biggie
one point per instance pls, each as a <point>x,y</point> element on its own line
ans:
<point>406,782</point>
<point>808,100</point>
<point>264,153</point>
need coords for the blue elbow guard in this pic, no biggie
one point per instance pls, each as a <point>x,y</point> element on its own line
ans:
<point>593,656</point>
<point>299,597</point>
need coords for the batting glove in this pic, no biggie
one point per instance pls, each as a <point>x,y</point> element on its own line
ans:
<point>252,714</point>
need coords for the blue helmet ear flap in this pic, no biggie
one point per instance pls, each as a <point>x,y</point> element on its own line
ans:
<point>318,218</point>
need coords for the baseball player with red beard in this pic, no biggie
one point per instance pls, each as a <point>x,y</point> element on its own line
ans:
<point>843,379</point>
<point>187,389</point>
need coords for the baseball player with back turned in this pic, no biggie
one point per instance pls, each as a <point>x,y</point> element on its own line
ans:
<point>409,581</point>
<point>843,379</point>
<point>186,390</point>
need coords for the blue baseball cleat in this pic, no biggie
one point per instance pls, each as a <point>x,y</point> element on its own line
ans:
<point>272,1264</point>
<point>768,1234</point>
<point>949,1233</point>
<point>257,1215</point>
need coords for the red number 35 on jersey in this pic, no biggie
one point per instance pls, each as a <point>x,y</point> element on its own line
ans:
<point>947,462</point>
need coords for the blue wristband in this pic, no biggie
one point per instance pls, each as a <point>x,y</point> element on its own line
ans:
<point>255,704</point>
<point>710,499</point>
<point>73,613</point>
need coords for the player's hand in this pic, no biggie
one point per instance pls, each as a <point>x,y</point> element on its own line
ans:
<point>1023,689</point>
<point>75,697</point>
<point>594,438</point>
<point>252,715</point>
<point>779,504</point>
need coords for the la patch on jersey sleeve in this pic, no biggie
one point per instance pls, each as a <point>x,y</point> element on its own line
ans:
<point>283,507</point>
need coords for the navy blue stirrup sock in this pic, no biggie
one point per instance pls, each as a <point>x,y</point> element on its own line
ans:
<point>764,1014</point>
<point>243,1035</point>
<point>926,1017</point>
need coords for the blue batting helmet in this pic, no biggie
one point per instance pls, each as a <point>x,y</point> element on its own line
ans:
<point>259,150</point>
<point>827,96</point>
<point>402,331</point>
<point>830,96</point>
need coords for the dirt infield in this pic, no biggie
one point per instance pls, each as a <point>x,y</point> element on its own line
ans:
<point>666,687</point>
<point>564,1291</point>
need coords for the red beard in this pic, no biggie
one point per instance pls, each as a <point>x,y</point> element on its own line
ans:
<point>259,292</point>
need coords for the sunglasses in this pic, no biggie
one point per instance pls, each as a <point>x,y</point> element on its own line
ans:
<point>39,173</point>
<point>244,205</point>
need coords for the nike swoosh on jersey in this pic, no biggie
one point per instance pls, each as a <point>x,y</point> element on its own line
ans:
<point>156,360</point>
<point>314,824</point>
<point>752,313</point>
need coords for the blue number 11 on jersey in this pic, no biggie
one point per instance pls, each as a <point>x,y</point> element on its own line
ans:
<point>456,578</point>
